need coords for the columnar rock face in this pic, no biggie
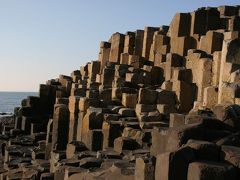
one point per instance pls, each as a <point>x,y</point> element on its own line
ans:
<point>159,103</point>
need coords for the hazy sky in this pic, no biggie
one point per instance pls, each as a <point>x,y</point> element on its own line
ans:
<point>40,39</point>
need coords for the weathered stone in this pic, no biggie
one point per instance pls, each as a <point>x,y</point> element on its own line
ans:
<point>117,46</point>
<point>166,97</point>
<point>211,42</point>
<point>165,109</point>
<point>182,74</point>
<point>139,42</point>
<point>124,143</point>
<point>94,67</point>
<point>180,25</point>
<point>228,92</point>
<point>210,97</point>
<point>129,100</point>
<point>180,45</point>
<point>124,58</point>
<point>231,154</point>
<point>159,141</point>
<point>135,61</point>
<point>129,42</point>
<point>198,22</point>
<point>60,130</point>
<point>210,170</point>
<point>147,40</point>
<point>227,10</point>
<point>111,131</point>
<point>216,64</point>
<point>176,120</point>
<point>147,96</point>
<point>47,176</point>
<point>172,60</point>
<point>180,135</point>
<point>108,77</point>
<point>145,108</point>
<point>89,162</point>
<point>75,147</point>
<point>94,139</point>
<point>160,46</point>
<point>231,140</point>
<point>205,150</point>
<point>185,93</point>
<point>92,120</point>
<point>173,165</point>
<point>144,169</point>
<point>127,112</point>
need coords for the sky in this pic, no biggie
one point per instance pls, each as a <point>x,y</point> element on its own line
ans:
<point>40,39</point>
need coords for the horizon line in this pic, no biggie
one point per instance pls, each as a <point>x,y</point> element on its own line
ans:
<point>18,91</point>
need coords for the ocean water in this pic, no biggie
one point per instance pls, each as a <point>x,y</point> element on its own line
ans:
<point>9,100</point>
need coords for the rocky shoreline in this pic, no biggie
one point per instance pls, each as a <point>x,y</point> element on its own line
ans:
<point>6,118</point>
<point>6,114</point>
<point>161,103</point>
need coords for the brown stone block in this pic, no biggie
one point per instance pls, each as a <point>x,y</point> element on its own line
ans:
<point>147,96</point>
<point>144,169</point>
<point>135,61</point>
<point>74,104</point>
<point>159,59</point>
<point>93,139</point>
<point>228,10</point>
<point>123,143</point>
<point>108,76</point>
<point>180,25</point>
<point>211,42</point>
<point>205,150</point>
<point>139,42</point>
<point>129,100</point>
<point>166,97</point>
<point>178,136</point>
<point>129,43</point>
<point>173,165</point>
<point>182,74</point>
<point>124,58</point>
<point>216,66</point>
<point>166,109</point>
<point>167,85</point>
<point>94,67</point>
<point>78,92</point>
<point>73,124</point>
<point>147,40</point>
<point>210,97</point>
<point>210,170</point>
<point>111,131</point>
<point>172,60</point>
<point>60,130</point>
<point>228,93</point>
<point>231,35</point>
<point>231,155</point>
<point>85,103</point>
<point>181,45</point>
<point>159,141</point>
<point>104,53</point>
<point>117,47</point>
<point>198,22</point>
<point>176,120</point>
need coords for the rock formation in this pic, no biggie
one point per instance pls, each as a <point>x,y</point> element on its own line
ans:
<point>160,103</point>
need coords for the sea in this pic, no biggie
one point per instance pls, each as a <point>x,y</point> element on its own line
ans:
<point>10,100</point>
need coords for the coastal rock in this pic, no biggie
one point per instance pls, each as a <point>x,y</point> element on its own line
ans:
<point>159,103</point>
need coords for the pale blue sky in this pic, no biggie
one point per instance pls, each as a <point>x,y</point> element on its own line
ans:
<point>40,39</point>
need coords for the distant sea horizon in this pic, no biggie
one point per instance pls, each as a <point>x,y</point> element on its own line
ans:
<point>11,99</point>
